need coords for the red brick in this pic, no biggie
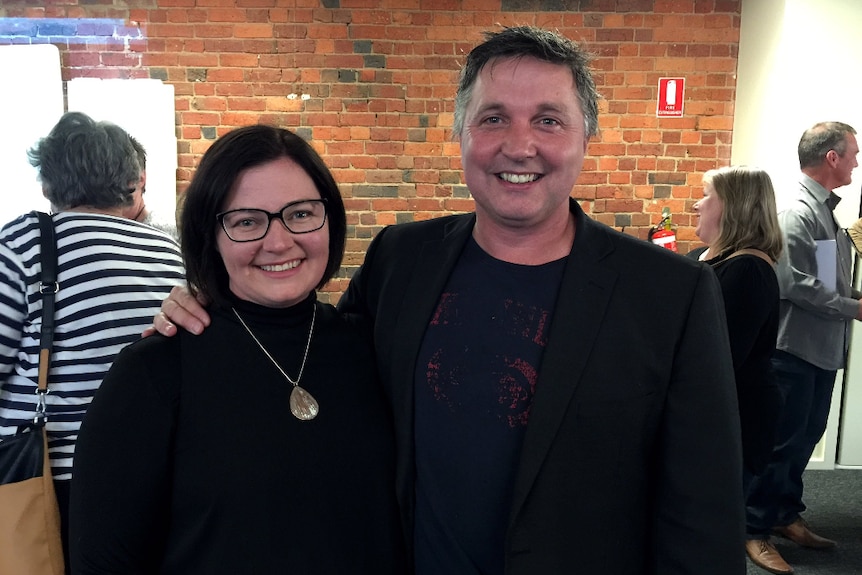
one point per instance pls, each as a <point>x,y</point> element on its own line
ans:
<point>392,125</point>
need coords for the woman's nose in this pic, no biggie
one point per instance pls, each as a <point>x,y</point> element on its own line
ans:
<point>278,236</point>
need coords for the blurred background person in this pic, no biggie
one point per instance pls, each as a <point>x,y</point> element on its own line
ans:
<point>139,211</point>
<point>264,445</point>
<point>113,274</point>
<point>738,222</point>
<point>818,304</point>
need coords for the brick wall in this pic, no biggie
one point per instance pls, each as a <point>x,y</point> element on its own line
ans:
<point>371,83</point>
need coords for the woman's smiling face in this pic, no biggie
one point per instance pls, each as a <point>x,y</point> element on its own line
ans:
<point>282,268</point>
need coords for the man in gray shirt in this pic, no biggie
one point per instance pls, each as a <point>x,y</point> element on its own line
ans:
<point>817,307</point>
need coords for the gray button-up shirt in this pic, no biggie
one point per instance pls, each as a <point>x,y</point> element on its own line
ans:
<point>815,319</point>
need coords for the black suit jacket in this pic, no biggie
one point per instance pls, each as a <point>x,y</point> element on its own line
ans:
<point>631,460</point>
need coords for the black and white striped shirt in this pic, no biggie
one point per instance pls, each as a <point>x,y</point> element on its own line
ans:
<point>113,275</point>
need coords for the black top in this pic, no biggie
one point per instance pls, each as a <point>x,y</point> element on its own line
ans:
<point>475,380</point>
<point>189,460</point>
<point>750,291</point>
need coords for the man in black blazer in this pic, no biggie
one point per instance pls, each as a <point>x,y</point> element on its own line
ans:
<point>563,394</point>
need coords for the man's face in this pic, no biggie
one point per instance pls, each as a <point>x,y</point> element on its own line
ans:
<point>136,210</point>
<point>847,162</point>
<point>523,142</point>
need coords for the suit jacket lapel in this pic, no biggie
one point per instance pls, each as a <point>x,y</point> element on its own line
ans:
<point>434,263</point>
<point>583,298</point>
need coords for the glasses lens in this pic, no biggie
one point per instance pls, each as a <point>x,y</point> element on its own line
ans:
<point>303,217</point>
<point>245,225</point>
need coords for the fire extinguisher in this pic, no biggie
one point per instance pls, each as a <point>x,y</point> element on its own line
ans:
<point>664,233</point>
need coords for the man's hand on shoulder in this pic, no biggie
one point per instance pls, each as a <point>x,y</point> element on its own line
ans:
<point>182,309</point>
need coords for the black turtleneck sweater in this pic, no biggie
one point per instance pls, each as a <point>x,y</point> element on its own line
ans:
<point>189,460</point>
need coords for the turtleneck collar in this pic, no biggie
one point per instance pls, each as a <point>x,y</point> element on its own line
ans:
<point>295,315</point>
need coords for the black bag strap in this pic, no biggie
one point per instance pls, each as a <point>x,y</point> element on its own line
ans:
<point>48,287</point>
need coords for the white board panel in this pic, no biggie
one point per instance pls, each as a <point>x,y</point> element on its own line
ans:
<point>145,109</point>
<point>28,111</point>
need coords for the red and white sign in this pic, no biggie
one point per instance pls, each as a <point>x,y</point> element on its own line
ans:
<point>671,92</point>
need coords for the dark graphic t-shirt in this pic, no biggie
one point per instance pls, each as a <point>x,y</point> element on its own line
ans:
<point>475,379</point>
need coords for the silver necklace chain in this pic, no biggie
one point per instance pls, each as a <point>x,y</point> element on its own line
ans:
<point>275,363</point>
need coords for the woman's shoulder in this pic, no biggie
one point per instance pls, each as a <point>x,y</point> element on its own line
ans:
<point>754,261</point>
<point>747,271</point>
<point>153,350</point>
<point>150,362</point>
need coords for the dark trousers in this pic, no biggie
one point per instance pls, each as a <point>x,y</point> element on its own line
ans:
<point>774,498</point>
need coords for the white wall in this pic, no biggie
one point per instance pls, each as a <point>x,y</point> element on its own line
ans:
<point>799,64</point>
<point>145,109</point>
<point>29,109</point>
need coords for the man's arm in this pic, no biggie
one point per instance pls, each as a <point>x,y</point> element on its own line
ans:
<point>182,309</point>
<point>356,302</point>
<point>797,273</point>
<point>699,521</point>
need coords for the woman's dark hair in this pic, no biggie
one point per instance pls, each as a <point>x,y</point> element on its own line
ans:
<point>215,178</point>
<point>86,163</point>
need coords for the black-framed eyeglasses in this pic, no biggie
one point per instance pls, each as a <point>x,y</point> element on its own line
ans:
<point>248,224</point>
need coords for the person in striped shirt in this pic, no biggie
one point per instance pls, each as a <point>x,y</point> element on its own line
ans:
<point>113,274</point>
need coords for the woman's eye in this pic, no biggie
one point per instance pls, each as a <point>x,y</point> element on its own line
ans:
<point>299,215</point>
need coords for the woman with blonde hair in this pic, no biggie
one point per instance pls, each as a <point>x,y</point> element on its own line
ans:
<point>737,221</point>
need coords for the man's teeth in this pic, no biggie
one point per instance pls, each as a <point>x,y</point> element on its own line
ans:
<point>281,267</point>
<point>519,178</point>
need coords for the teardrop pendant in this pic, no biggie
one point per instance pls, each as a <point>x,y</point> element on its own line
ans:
<point>302,405</point>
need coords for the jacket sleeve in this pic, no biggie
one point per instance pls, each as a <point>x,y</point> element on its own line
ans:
<point>356,302</point>
<point>699,522</point>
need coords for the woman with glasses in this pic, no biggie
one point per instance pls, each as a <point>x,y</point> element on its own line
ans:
<point>263,445</point>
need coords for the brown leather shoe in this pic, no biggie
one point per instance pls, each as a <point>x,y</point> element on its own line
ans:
<point>764,554</point>
<point>801,534</point>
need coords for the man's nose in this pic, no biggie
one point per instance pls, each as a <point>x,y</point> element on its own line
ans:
<point>520,141</point>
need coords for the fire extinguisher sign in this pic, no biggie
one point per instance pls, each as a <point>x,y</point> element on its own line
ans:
<point>671,93</point>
